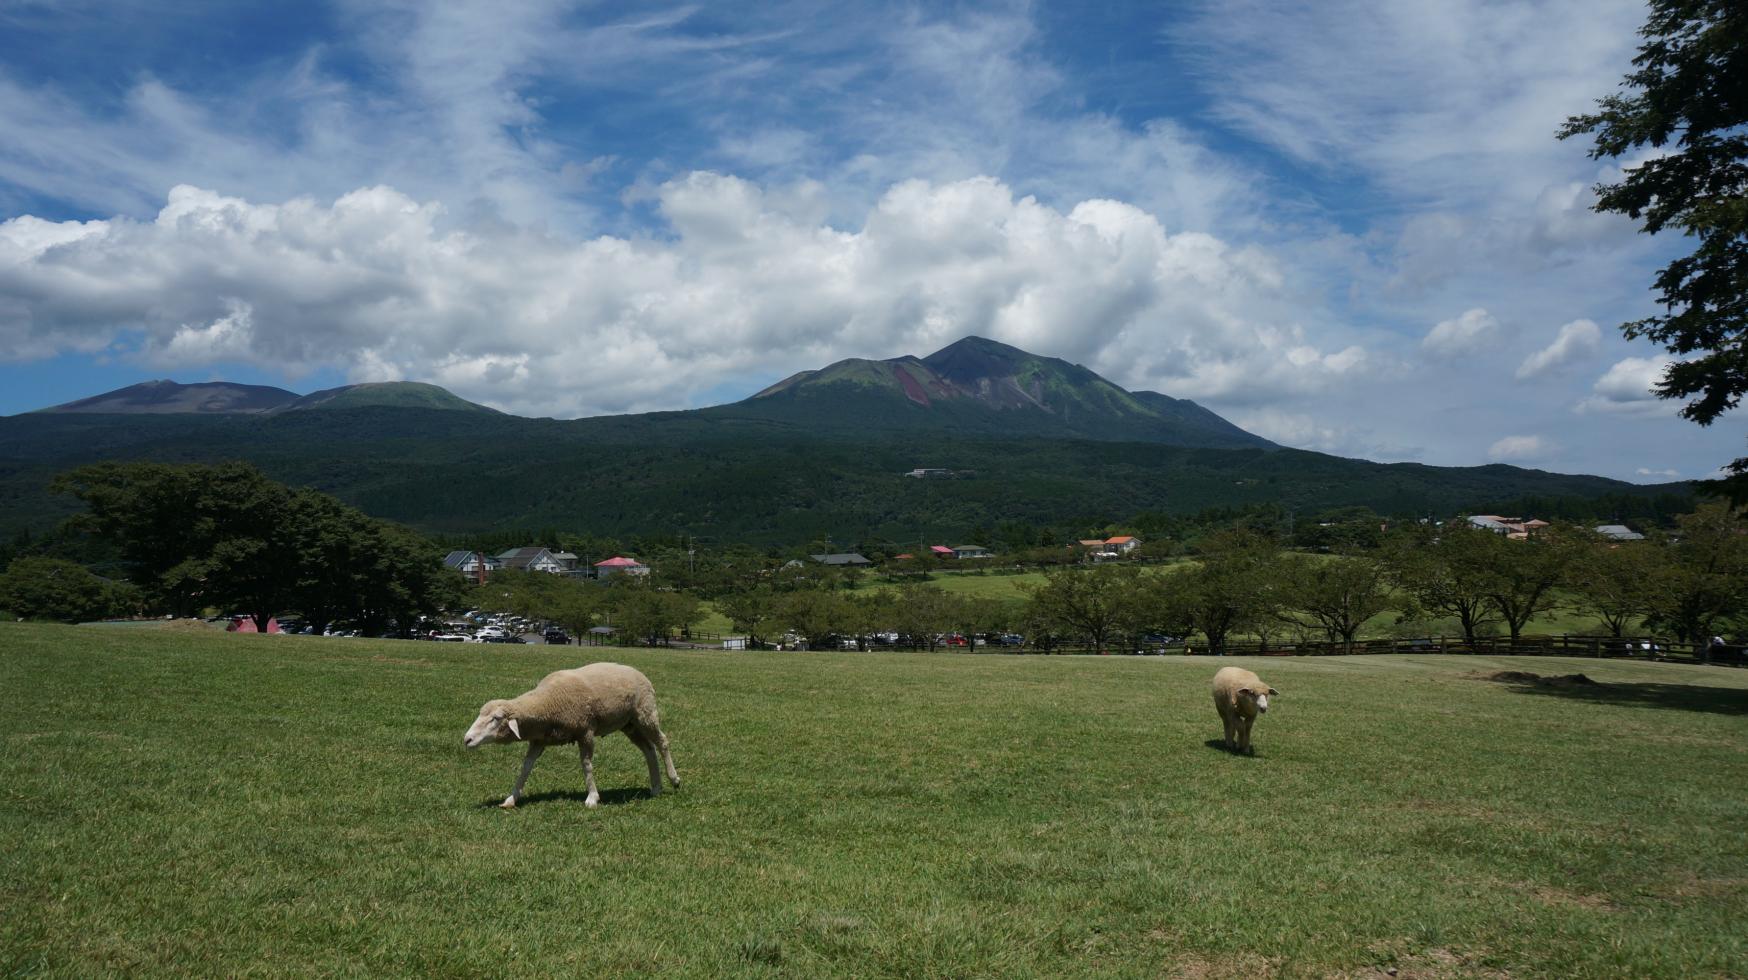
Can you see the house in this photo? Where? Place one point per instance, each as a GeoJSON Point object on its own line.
{"type": "Point", "coordinates": [473, 565]}
{"type": "Point", "coordinates": [1091, 544]}
{"type": "Point", "coordinates": [620, 565]}
{"type": "Point", "coordinates": [941, 551]}
{"type": "Point", "coordinates": [929, 473]}
{"type": "Point", "coordinates": [1619, 532]}
{"type": "Point", "coordinates": [1515, 528]}
{"type": "Point", "coordinates": [532, 559]}
{"type": "Point", "coordinates": [904, 557]}
{"type": "Point", "coordinates": [849, 558]}
{"type": "Point", "coordinates": [1122, 544]}
{"type": "Point", "coordinates": [970, 551]}
{"type": "Point", "coordinates": [567, 560]}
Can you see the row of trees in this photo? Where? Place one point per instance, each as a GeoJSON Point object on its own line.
{"type": "Point", "coordinates": [225, 536]}
{"type": "Point", "coordinates": [1689, 585]}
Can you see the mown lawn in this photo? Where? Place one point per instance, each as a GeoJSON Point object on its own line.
{"type": "Point", "coordinates": [189, 802]}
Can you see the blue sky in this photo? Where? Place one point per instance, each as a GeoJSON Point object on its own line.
{"type": "Point", "coordinates": [1344, 225]}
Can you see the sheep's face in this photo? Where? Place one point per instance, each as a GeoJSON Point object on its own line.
{"type": "Point", "coordinates": [494, 724]}
{"type": "Point", "coordinates": [1260, 698]}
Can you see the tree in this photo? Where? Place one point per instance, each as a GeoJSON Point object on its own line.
{"type": "Point", "coordinates": [1615, 581]}
{"type": "Point", "coordinates": [1522, 581]}
{"type": "Point", "coordinates": [921, 612]}
{"type": "Point", "coordinates": [1098, 604]}
{"type": "Point", "coordinates": [227, 536]}
{"type": "Point", "coordinates": [1449, 572]}
{"type": "Point", "coordinates": [1706, 578]}
{"type": "Point", "coordinates": [1229, 591]}
{"type": "Point", "coordinates": [52, 588]}
{"type": "Point", "coordinates": [1688, 100]}
{"type": "Point", "coordinates": [651, 614]}
{"type": "Point", "coordinates": [1336, 595]}
{"type": "Point", "coordinates": [196, 535]}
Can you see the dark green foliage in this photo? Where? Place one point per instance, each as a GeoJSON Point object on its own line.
{"type": "Point", "coordinates": [1336, 597]}
{"type": "Point", "coordinates": [1703, 580]}
{"type": "Point", "coordinates": [1447, 572]}
{"type": "Point", "coordinates": [1688, 99]}
{"type": "Point", "coordinates": [1100, 605]}
{"type": "Point", "coordinates": [723, 481]}
{"type": "Point", "coordinates": [226, 536]}
{"type": "Point", "coordinates": [1234, 587]}
{"type": "Point", "coordinates": [52, 588]}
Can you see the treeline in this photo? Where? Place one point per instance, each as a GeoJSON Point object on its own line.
{"type": "Point", "coordinates": [189, 538]}
{"type": "Point", "coordinates": [1690, 584]}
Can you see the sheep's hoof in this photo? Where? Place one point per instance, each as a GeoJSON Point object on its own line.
{"type": "Point", "coordinates": [592, 802]}
{"type": "Point", "coordinates": [508, 804]}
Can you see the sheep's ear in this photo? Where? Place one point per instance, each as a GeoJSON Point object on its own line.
{"type": "Point", "coordinates": [515, 729]}
{"type": "Point", "coordinates": [1245, 690]}
{"type": "Point", "coordinates": [1274, 693]}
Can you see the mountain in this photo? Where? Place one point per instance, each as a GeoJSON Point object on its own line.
{"type": "Point", "coordinates": [168, 397]}
{"type": "Point", "coordinates": [390, 394]}
{"type": "Point", "coordinates": [981, 387]}
{"type": "Point", "coordinates": [223, 397]}
{"type": "Point", "coordinates": [1029, 439]}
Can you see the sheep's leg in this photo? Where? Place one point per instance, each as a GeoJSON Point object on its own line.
{"type": "Point", "coordinates": [1244, 736]}
{"type": "Point", "coordinates": [642, 741]}
{"type": "Point", "coordinates": [661, 741]}
{"type": "Point", "coordinates": [586, 748]}
{"type": "Point", "coordinates": [528, 761]}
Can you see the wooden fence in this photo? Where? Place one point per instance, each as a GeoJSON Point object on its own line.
{"type": "Point", "coordinates": [1634, 648]}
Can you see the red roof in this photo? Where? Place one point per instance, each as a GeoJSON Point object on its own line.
{"type": "Point", "coordinates": [1121, 539]}
{"type": "Point", "coordinates": [904, 556]}
{"type": "Point", "coordinates": [618, 562]}
{"type": "Point", "coordinates": [940, 549]}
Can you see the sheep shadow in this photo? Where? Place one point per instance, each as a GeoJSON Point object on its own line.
{"type": "Point", "coordinates": [1672, 697]}
{"type": "Point", "coordinates": [1219, 744]}
{"type": "Point", "coordinates": [609, 797]}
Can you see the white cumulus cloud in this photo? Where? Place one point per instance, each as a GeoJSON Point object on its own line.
{"type": "Point", "coordinates": [1577, 341]}
{"type": "Point", "coordinates": [1519, 448]}
{"type": "Point", "coordinates": [1629, 388]}
{"type": "Point", "coordinates": [749, 284]}
{"type": "Point", "coordinates": [1469, 333]}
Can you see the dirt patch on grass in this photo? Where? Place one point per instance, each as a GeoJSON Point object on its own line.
{"type": "Point", "coordinates": [1691, 887]}
{"type": "Point", "coordinates": [1239, 966]}
{"type": "Point", "coordinates": [1562, 898]}
{"type": "Point", "coordinates": [1398, 961]}
{"type": "Point", "coordinates": [1539, 680]}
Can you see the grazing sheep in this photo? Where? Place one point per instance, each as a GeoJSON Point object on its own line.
{"type": "Point", "coordinates": [577, 706]}
{"type": "Point", "coordinates": [1240, 696]}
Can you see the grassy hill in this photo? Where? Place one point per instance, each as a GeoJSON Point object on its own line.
{"type": "Point", "coordinates": [191, 802]}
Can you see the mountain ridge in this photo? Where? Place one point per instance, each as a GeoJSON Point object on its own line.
{"type": "Point", "coordinates": [984, 386]}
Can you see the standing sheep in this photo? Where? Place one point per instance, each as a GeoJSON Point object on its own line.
{"type": "Point", "coordinates": [577, 706]}
{"type": "Point", "coordinates": [1240, 696]}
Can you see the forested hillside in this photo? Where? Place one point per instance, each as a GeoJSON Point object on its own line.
{"type": "Point", "coordinates": [753, 480]}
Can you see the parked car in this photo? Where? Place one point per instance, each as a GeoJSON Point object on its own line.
{"type": "Point", "coordinates": [555, 635]}
{"type": "Point", "coordinates": [505, 638]}
{"type": "Point", "coordinates": [449, 637]}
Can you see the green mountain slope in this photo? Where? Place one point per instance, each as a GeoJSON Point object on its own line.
{"type": "Point", "coordinates": [736, 478]}
{"type": "Point", "coordinates": [168, 397]}
{"type": "Point", "coordinates": [392, 394]}
{"type": "Point", "coordinates": [981, 387]}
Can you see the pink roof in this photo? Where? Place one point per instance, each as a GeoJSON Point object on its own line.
{"type": "Point", "coordinates": [940, 549]}
{"type": "Point", "coordinates": [1121, 539]}
{"type": "Point", "coordinates": [618, 562]}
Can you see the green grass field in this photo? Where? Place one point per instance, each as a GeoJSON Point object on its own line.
{"type": "Point", "coordinates": [191, 802]}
